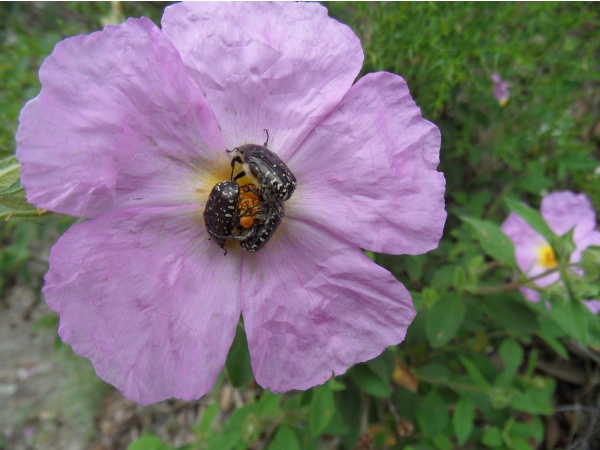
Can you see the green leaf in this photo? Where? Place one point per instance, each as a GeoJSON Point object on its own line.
{"type": "Point", "coordinates": [307, 441]}
{"type": "Point", "coordinates": [268, 405]}
{"type": "Point", "coordinates": [13, 204]}
{"type": "Point", "coordinates": [443, 442]}
{"type": "Point", "coordinates": [285, 438]}
{"type": "Point", "coordinates": [10, 173]}
{"type": "Point", "coordinates": [550, 333]}
{"type": "Point", "coordinates": [415, 266]}
{"type": "Point", "coordinates": [532, 429]}
{"type": "Point", "coordinates": [322, 407]}
{"type": "Point", "coordinates": [460, 278]}
{"type": "Point", "coordinates": [493, 241]}
{"type": "Point", "coordinates": [474, 372]}
{"type": "Point", "coordinates": [383, 366]}
{"type": "Point", "coordinates": [336, 385]}
{"type": "Point", "coordinates": [367, 381]}
{"type": "Point", "coordinates": [511, 354]}
{"type": "Point", "coordinates": [534, 179]}
{"type": "Point", "coordinates": [533, 218]}
{"type": "Point", "coordinates": [492, 437]}
{"type": "Point", "coordinates": [349, 406]}
{"type": "Point", "coordinates": [372, 256]}
{"type": "Point", "coordinates": [12, 189]}
{"type": "Point", "coordinates": [531, 363]}
{"type": "Point", "coordinates": [429, 295]}
{"type": "Point", "coordinates": [336, 426]}
{"type": "Point", "coordinates": [203, 428]}
{"type": "Point", "coordinates": [408, 402]}
{"type": "Point", "coordinates": [537, 397]}
{"type": "Point", "coordinates": [520, 444]}
{"type": "Point", "coordinates": [148, 442]}
{"type": "Point", "coordinates": [463, 418]}
{"type": "Point", "coordinates": [444, 319]}
{"type": "Point", "coordinates": [510, 314]}
{"type": "Point", "coordinates": [571, 316]}
{"type": "Point", "coordinates": [241, 428]}
{"type": "Point", "coordinates": [590, 259]}
{"type": "Point", "coordinates": [238, 366]}
{"type": "Point", "coordinates": [593, 325]}
{"type": "Point", "coordinates": [433, 415]}
{"type": "Point", "coordinates": [16, 208]}
{"type": "Point", "coordinates": [295, 401]}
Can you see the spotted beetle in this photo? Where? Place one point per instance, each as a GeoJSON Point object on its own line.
{"type": "Point", "coordinates": [266, 229]}
{"type": "Point", "coordinates": [265, 169]}
{"type": "Point", "coordinates": [241, 214]}
{"type": "Point", "coordinates": [220, 212]}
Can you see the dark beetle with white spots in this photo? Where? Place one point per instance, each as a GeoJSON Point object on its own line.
{"type": "Point", "coordinates": [221, 210]}
{"type": "Point", "coordinates": [265, 230]}
{"type": "Point", "coordinates": [222, 218]}
{"type": "Point", "coordinates": [266, 170]}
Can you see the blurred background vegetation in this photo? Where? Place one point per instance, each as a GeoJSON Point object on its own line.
{"type": "Point", "coordinates": [479, 369]}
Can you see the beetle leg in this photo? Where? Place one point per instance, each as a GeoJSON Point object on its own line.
{"type": "Point", "coordinates": [236, 159]}
{"type": "Point", "coordinates": [238, 176]}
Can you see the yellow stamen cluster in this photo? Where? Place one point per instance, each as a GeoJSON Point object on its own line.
{"type": "Point", "coordinates": [547, 257]}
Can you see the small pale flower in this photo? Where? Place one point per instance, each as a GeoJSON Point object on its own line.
{"type": "Point", "coordinates": [132, 129]}
{"type": "Point", "coordinates": [500, 89]}
{"type": "Point", "coordinates": [562, 211]}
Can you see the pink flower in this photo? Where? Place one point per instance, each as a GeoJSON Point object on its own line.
{"type": "Point", "coordinates": [500, 89]}
{"type": "Point", "coordinates": [562, 211]}
{"type": "Point", "coordinates": [131, 129]}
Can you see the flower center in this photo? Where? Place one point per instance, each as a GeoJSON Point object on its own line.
{"type": "Point", "coordinates": [249, 207]}
{"type": "Point", "coordinates": [547, 258]}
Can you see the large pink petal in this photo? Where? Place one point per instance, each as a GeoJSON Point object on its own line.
{"type": "Point", "coordinates": [148, 299]}
{"type": "Point", "coordinates": [118, 123]}
{"type": "Point", "coordinates": [564, 210]}
{"type": "Point", "coordinates": [313, 306]}
{"type": "Point", "coordinates": [368, 171]}
{"type": "Point", "coordinates": [280, 66]}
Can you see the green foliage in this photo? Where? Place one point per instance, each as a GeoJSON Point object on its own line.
{"type": "Point", "coordinates": [321, 410]}
{"type": "Point", "coordinates": [237, 366]}
{"type": "Point", "coordinates": [468, 373]}
{"type": "Point", "coordinates": [368, 381]}
{"type": "Point", "coordinates": [444, 319]}
{"type": "Point", "coordinates": [284, 438]}
{"type": "Point", "coordinates": [149, 442]}
{"type": "Point", "coordinates": [493, 241]}
{"type": "Point", "coordinates": [13, 204]}
{"type": "Point", "coordinates": [463, 419]}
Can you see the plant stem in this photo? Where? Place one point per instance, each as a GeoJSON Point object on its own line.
{"type": "Point", "coordinates": [514, 285]}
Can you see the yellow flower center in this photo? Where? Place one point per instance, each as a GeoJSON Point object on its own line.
{"type": "Point", "coordinates": [547, 258]}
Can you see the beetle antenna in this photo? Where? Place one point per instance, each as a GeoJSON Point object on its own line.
{"type": "Point", "coordinates": [267, 141]}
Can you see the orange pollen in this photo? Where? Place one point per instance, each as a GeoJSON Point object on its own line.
{"type": "Point", "coordinates": [246, 221]}
{"type": "Point", "coordinates": [249, 205]}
